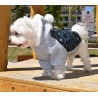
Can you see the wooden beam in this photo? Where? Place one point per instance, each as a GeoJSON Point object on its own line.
{"type": "Point", "coordinates": [16, 85]}
{"type": "Point", "coordinates": [97, 21]}
{"type": "Point", "coordinates": [26, 76]}
{"type": "Point", "coordinates": [36, 9]}
{"type": "Point", "coordinates": [4, 32]}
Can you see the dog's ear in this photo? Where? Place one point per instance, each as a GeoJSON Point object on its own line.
{"type": "Point", "coordinates": [42, 23]}
{"type": "Point", "coordinates": [47, 25]}
{"type": "Point", "coordinates": [37, 21]}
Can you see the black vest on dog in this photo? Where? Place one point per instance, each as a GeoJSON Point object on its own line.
{"type": "Point", "coordinates": [67, 38]}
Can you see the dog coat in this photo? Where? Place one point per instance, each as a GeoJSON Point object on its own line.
{"type": "Point", "coordinates": [53, 51]}
{"type": "Point", "coordinates": [67, 38]}
{"type": "Point", "coordinates": [54, 45]}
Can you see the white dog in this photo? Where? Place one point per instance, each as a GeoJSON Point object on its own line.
{"type": "Point", "coordinates": [38, 33]}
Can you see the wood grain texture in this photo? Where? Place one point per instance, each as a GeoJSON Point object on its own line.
{"type": "Point", "coordinates": [4, 33]}
{"type": "Point", "coordinates": [27, 76]}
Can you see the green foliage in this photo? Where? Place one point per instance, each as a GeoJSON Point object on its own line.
{"type": "Point", "coordinates": [93, 41]}
{"type": "Point", "coordinates": [94, 18]}
{"type": "Point", "coordinates": [93, 52]}
{"type": "Point", "coordinates": [19, 12]}
{"type": "Point", "coordinates": [13, 53]}
{"type": "Point", "coordinates": [94, 11]}
{"type": "Point", "coordinates": [55, 10]}
{"type": "Point", "coordinates": [72, 13]}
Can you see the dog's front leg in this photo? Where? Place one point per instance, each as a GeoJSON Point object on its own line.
{"type": "Point", "coordinates": [69, 62]}
{"type": "Point", "coordinates": [59, 71]}
{"type": "Point", "coordinates": [58, 60]}
{"type": "Point", "coordinates": [59, 66]}
{"type": "Point", "coordinates": [47, 68]}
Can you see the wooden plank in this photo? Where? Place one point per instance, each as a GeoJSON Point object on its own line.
{"type": "Point", "coordinates": [26, 76]}
{"type": "Point", "coordinates": [9, 84]}
{"type": "Point", "coordinates": [24, 57]}
{"type": "Point", "coordinates": [4, 33]}
{"type": "Point", "coordinates": [34, 54]}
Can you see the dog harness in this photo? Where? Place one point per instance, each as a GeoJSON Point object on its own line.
{"type": "Point", "coordinates": [67, 38]}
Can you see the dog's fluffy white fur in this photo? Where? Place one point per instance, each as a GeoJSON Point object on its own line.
{"type": "Point", "coordinates": [52, 56]}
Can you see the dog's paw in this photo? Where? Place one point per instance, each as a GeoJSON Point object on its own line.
{"type": "Point", "coordinates": [47, 73]}
{"type": "Point", "coordinates": [87, 69]}
{"type": "Point", "coordinates": [57, 76]}
{"type": "Point", "coordinates": [69, 68]}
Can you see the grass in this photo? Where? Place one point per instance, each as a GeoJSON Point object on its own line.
{"type": "Point", "coordinates": [93, 52]}
{"type": "Point", "coordinates": [13, 53]}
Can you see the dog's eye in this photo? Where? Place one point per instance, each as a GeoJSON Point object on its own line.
{"type": "Point", "coordinates": [16, 34]}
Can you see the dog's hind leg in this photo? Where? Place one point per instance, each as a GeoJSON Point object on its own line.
{"type": "Point", "coordinates": [83, 53]}
{"type": "Point", "coordinates": [86, 61]}
{"type": "Point", "coordinates": [69, 62]}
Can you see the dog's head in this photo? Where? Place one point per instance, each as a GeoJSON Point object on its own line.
{"type": "Point", "coordinates": [19, 32]}
{"type": "Point", "coordinates": [25, 32]}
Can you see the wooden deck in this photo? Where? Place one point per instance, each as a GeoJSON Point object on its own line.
{"type": "Point", "coordinates": [26, 76]}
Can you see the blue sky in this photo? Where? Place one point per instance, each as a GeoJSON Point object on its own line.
{"type": "Point", "coordinates": [89, 8]}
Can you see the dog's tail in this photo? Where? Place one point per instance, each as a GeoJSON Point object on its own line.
{"type": "Point", "coordinates": [81, 29]}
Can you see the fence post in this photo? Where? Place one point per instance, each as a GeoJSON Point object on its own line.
{"type": "Point", "coordinates": [5, 12]}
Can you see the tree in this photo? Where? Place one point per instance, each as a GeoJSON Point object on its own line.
{"type": "Point", "coordinates": [55, 10]}
{"type": "Point", "coordinates": [73, 10]}
{"type": "Point", "coordinates": [18, 12]}
{"type": "Point", "coordinates": [94, 11]}
{"type": "Point", "coordinates": [94, 18]}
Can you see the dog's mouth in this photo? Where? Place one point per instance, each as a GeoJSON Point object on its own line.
{"type": "Point", "coordinates": [24, 45]}
{"type": "Point", "coordinates": [19, 45]}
